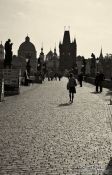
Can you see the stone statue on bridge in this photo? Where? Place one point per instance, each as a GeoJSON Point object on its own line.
{"type": "Point", "coordinates": [93, 65]}
{"type": "Point", "coordinates": [8, 54]}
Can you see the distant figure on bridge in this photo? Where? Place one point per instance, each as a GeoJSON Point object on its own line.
{"type": "Point", "coordinates": [59, 76]}
{"type": "Point", "coordinates": [80, 79]}
{"type": "Point", "coordinates": [26, 78]}
{"type": "Point", "coordinates": [71, 87]}
{"type": "Point", "coordinates": [28, 67]}
{"type": "Point", "coordinates": [99, 81]}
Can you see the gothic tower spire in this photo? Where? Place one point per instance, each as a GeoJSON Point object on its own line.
{"type": "Point", "coordinates": [101, 54]}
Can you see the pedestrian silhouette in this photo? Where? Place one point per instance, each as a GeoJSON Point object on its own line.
{"type": "Point", "coordinates": [26, 78]}
{"type": "Point", "coordinates": [99, 81]}
{"type": "Point", "coordinates": [71, 87]}
{"type": "Point", "coordinates": [28, 67]}
{"type": "Point", "coordinates": [80, 79]}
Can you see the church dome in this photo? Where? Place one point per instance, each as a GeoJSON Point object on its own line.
{"type": "Point", "coordinates": [27, 49]}
{"type": "Point", "coordinates": [27, 45]}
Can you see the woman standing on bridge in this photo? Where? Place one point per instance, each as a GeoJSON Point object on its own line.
{"type": "Point", "coordinates": [71, 87]}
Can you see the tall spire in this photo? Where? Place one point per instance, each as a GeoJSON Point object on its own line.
{"type": "Point", "coordinates": [55, 54]}
{"type": "Point", "coordinates": [101, 54]}
{"type": "Point", "coordinates": [55, 49]}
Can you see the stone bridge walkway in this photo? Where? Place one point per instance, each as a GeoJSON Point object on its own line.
{"type": "Point", "coordinates": [40, 134]}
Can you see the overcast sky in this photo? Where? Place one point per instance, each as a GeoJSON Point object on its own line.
{"type": "Point", "coordinates": [90, 22]}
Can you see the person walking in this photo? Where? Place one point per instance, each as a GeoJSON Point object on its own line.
{"type": "Point", "coordinates": [99, 81]}
{"type": "Point", "coordinates": [80, 79]}
{"type": "Point", "coordinates": [71, 87]}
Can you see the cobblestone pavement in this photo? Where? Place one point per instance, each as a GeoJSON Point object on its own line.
{"type": "Point", "coordinates": [42, 134]}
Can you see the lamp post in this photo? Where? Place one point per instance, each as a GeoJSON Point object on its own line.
{"type": "Point", "coordinates": [97, 62]}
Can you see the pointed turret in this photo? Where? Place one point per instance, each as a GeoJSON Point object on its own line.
{"type": "Point", "coordinates": [55, 54]}
{"type": "Point", "coordinates": [101, 54]}
{"type": "Point", "coordinates": [41, 49]}
{"type": "Point", "coordinates": [55, 50]}
{"type": "Point", "coordinates": [42, 54]}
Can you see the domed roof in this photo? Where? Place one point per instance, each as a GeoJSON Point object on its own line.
{"type": "Point", "coordinates": [27, 45]}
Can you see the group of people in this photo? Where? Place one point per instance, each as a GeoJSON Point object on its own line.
{"type": "Point", "coordinates": [53, 76]}
{"type": "Point", "coordinates": [71, 84]}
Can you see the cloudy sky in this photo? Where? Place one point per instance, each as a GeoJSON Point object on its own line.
{"type": "Point", "coordinates": [90, 22]}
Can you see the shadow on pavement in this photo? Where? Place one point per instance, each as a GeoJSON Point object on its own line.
{"type": "Point", "coordinates": [10, 94]}
{"type": "Point", "coordinates": [108, 169]}
{"type": "Point", "coordinates": [64, 104]}
{"type": "Point", "coordinates": [95, 92]}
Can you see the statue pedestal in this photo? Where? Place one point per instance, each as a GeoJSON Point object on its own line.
{"type": "Point", "coordinates": [11, 81]}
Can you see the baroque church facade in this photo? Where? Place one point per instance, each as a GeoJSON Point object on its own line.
{"type": "Point", "coordinates": [27, 50]}
{"type": "Point", "coordinates": [68, 53]}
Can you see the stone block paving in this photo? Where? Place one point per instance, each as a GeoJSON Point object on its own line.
{"type": "Point", "coordinates": [42, 134]}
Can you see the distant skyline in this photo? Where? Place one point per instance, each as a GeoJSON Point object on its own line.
{"type": "Point", "coordinates": [90, 23]}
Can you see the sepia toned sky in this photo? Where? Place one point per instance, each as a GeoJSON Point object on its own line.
{"type": "Point", "coordinates": [90, 22]}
